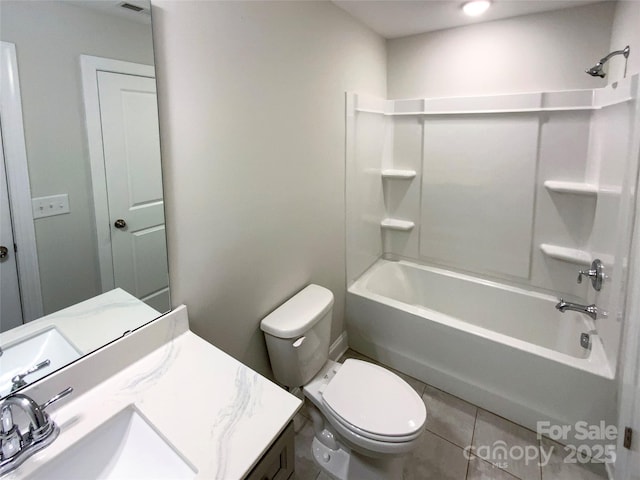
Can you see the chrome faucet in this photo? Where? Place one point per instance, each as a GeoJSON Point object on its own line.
{"type": "Point", "coordinates": [17, 446]}
{"type": "Point", "coordinates": [595, 273]}
{"type": "Point", "coordinates": [18, 381]}
{"type": "Point", "coordinates": [590, 310]}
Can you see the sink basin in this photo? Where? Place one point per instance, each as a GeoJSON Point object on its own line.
{"type": "Point", "coordinates": [124, 447]}
{"type": "Point", "coordinates": [21, 355]}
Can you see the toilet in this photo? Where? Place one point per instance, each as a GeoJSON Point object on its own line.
{"type": "Point", "coordinates": [365, 418]}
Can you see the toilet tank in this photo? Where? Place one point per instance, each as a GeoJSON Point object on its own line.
{"type": "Point", "coordinates": [297, 335]}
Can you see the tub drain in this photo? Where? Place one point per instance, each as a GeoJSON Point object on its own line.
{"type": "Point", "coordinates": [585, 340]}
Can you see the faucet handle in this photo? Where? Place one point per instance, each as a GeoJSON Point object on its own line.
{"type": "Point", "coordinates": [595, 273]}
{"type": "Point", "coordinates": [18, 381]}
{"type": "Point", "coordinates": [11, 440]}
{"type": "Point", "coordinates": [587, 273]}
{"type": "Point", "coordinates": [57, 397]}
{"type": "Point", "coordinates": [45, 427]}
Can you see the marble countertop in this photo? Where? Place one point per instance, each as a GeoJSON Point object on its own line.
{"type": "Point", "coordinates": [85, 327]}
{"type": "Point", "coordinates": [220, 415]}
{"type": "Point", "coordinates": [92, 323]}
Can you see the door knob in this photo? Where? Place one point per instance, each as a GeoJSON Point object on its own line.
{"type": "Point", "coordinates": [4, 252]}
{"type": "Point", "coordinates": [120, 223]}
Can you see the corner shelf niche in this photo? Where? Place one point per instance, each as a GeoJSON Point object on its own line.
{"type": "Point", "coordinates": [398, 174]}
{"type": "Point", "coordinates": [576, 188]}
{"type": "Point", "coordinates": [571, 255]}
{"type": "Point", "coordinates": [395, 224]}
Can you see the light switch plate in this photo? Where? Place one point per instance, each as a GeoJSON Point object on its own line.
{"type": "Point", "coordinates": [50, 206]}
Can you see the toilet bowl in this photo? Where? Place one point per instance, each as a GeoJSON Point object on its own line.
{"type": "Point", "coordinates": [366, 418]}
{"type": "Point", "coordinates": [367, 412]}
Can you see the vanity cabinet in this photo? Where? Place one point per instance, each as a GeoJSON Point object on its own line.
{"type": "Point", "coordinates": [278, 462]}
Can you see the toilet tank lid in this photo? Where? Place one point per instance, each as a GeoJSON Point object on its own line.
{"type": "Point", "coordinates": [299, 313]}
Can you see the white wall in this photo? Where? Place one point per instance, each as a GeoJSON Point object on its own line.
{"type": "Point", "coordinates": [49, 38]}
{"type": "Point", "coordinates": [545, 51]}
{"type": "Point", "coordinates": [252, 102]}
{"type": "Point", "coordinates": [625, 31]}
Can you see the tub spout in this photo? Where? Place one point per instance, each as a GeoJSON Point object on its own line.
{"type": "Point", "coordinates": [590, 310]}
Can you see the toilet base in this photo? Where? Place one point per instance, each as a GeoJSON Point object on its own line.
{"type": "Point", "coordinates": [343, 465]}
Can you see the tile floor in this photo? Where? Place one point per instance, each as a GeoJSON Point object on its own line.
{"type": "Point", "coordinates": [453, 424]}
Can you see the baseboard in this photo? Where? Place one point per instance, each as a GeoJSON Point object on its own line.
{"type": "Point", "coordinates": [337, 348]}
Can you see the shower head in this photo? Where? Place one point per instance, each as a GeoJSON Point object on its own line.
{"type": "Point", "coordinates": [597, 69]}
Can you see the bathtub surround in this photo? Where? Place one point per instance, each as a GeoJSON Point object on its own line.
{"type": "Point", "coordinates": [251, 99]}
{"type": "Point", "coordinates": [367, 142]}
{"type": "Point", "coordinates": [613, 165]}
{"type": "Point", "coordinates": [529, 144]}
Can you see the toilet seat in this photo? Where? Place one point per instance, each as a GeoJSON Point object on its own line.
{"type": "Point", "coordinates": [335, 418]}
{"type": "Point", "coordinates": [374, 403]}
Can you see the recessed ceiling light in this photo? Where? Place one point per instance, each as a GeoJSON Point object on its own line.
{"type": "Point", "coordinates": [476, 7]}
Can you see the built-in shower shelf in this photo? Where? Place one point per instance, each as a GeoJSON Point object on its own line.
{"type": "Point", "coordinates": [577, 188]}
{"type": "Point", "coordinates": [398, 174]}
{"type": "Point", "coordinates": [571, 255]}
{"type": "Point", "coordinates": [395, 224]}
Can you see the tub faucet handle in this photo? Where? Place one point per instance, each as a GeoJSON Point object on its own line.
{"type": "Point", "coordinates": [595, 273]}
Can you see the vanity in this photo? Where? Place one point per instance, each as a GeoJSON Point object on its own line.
{"type": "Point", "coordinates": [163, 403]}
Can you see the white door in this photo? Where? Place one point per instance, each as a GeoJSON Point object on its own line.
{"type": "Point", "coordinates": [627, 465]}
{"type": "Point", "coordinates": [10, 309]}
{"type": "Point", "coordinates": [131, 143]}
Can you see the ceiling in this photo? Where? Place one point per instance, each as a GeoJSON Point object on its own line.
{"type": "Point", "coordinates": [114, 7]}
{"type": "Point", "coordinates": [400, 18]}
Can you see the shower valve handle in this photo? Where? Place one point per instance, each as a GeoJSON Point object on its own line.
{"type": "Point", "coordinates": [595, 273]}
{"type": "Point", "coordinates": [586, 273]}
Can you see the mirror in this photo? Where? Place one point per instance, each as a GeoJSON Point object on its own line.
{"type": "Point", "coordinates": [81, 184]}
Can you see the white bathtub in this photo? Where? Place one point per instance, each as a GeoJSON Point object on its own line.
{"type": "Point", "coordinates": [505, 349]}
